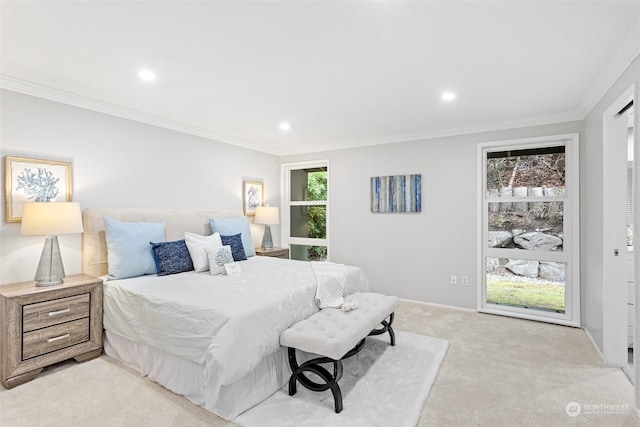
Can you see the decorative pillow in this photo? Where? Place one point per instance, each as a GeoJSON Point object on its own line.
{"type": "Point", "coordinates": [128, 250]}
{"type": "Point", "coordinates": [196, 245]}
{"type": "Point", "coordinates": [231, 226]}
{"type": "Point", "coordinates": [171, 257]}
{"type": "Point", "coordinates": [218, 257]}
{"type": "Point", "coordinates": [237, 250]}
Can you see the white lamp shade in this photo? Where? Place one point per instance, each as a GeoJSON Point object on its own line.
{"type": "Point", "coordinates": [267, 215]}
{"type": "Point", "coordinates": [51, 218]}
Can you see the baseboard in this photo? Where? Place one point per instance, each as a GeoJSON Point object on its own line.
{"type": "Point", "coordinates": [453, 307]}
{"type": "Point", "coordinates": [595, 346]}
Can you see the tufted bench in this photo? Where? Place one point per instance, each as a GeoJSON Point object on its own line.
{"type": "Point", "coordinates": [336, 335]}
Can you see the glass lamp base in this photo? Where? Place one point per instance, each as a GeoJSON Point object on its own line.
{"type": "Point", "coordinates": [267, 241]}
{"type": "Point", "coordinates": [49, 282]}
{"type": "Point", "coordinates": [50, 270]}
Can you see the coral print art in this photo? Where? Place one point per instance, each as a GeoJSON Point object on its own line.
{"type": "Point", "coordinates": [252, 197]}
{"type": "Point", "coordinates": [40, 186]}
{"type": "Point", "coordinates": [34, 180]}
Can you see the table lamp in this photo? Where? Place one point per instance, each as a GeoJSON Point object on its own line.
{"type": "Point", "coordinates": [267, 215]}
{"type": "Point", "coordinates": [50, 219]}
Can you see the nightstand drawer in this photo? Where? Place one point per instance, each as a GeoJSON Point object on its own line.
{"type": "Point", "coordinates": [54, 312]}
{"type": "Point", "coordinates": [54, 338]}
{"type": "Point", "coordinates": [282, 255]}
{"type": "Point", "coordinates": [273, 253]}
{"type": "Point", "coordinates": [40, 326]}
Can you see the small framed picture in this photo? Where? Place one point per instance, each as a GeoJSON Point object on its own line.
{"type": "Point", "coordinates": [252, 195]}
{"type": "Point", "coordinates": [232, 268]}
{"type": "Point", "coordinates": [34, 180]}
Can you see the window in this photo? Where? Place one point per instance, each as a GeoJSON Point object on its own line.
{"type": "Point", "coordinates": [529, 228]}
{"type": "Point", "coordinates": [306, 209]}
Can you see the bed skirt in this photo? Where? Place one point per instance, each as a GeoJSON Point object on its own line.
{"type": "Point", "coordinates": [188, 379]}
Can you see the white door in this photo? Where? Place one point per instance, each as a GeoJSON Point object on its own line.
{"type": "Point", "coordinates": [614, 234]}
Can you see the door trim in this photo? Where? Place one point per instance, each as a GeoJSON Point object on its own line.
{"type": "Point", "coordinates": [614, 304]}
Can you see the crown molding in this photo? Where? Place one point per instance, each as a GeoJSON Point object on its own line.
{"type": "Point", "coordinates": [442, 133]}
{"type": "Point", "coordinates": [626, 53]}
{"type": "Point", "coordinates": [40, 91]}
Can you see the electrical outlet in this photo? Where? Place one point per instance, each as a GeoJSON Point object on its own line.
{"type": "Point", "coordinates": [464, 281]}
{"type": "Point", "coordinates": [454, 279]}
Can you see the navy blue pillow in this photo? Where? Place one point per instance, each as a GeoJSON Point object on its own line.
{"type": "Point", "coordinates": [171, 257]}
{"type": "Point", "coordinates": [237, 248]}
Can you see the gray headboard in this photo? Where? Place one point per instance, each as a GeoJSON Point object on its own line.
{"type": "Point", "coordinates": [177, 221]}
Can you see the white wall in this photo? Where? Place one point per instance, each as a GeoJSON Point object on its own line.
{"type": "Point", "coordinates": [413, 255]}
{"type": "Point", "coordinates": [121, 163]}
{"type": "Point", "coordinates": [591, 203]}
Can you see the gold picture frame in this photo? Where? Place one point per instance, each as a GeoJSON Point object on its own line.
{"type": "Point", "coordinates": [252, 196]}
{"type": "Point", "coordinates": [34, 180]}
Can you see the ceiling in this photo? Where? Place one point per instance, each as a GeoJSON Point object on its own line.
{"type": "Point", "coordinates": [341, 73]}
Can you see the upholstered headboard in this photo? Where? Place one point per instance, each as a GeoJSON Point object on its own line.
{"type": "Point", "coordinates": [177, 221]}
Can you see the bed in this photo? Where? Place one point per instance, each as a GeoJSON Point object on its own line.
{"type": "Point", "coordinates": [212, 339]}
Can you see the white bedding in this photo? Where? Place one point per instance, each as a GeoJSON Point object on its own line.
{"type": "Point", "coordinates": [228, 325]}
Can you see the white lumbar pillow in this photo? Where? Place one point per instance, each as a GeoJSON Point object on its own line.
{"type": "Point", "coordinates": [196, 245]}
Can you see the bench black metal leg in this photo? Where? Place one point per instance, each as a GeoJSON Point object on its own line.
{"type": "Point", "coordinates": [386, 327]}
{"type": "Point", "coordinates": [313, 365]}
{"type": "Point", "coordinates": [330, 381]}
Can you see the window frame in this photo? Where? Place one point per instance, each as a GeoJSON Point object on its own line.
{"type": "Point", "coordinates": [571, 248]}
{"type": "Point", "coordinates": [286, 203]}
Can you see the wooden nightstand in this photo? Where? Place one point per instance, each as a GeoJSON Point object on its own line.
{"type": "Point", "coordinates": [275, 252]}
{"type": "Point", "coordinates": [46, 325]}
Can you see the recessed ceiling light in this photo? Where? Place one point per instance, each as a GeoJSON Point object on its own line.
{"type": "Point", "coordinates": [285, 126]}
{"type": "Point", "coordinates": [146, 75]}
{"type": "Point", "coordinates": [448, 96]}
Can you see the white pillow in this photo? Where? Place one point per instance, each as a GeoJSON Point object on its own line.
{"type": "Point", "coordinates": [196, 245]}
{"type": "Point", "coordinates": [218, 257]}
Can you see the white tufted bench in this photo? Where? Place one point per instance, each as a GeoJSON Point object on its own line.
{"type": "Point", "coordinates": [336, 335]}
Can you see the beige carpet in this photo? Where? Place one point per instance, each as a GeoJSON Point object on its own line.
{"type": "Point", "coordinates": [497, 372]}
{"type": "Point", "coordinates": [379, 387]}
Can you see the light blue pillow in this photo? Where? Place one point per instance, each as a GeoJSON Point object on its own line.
{"type": "Point", "coordinates": [231, 226]}
{"type": "Point", "coordinates": [128, 249]}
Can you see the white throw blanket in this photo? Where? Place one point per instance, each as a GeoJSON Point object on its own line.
{"type": "Point", "coordinates": [331, 279]}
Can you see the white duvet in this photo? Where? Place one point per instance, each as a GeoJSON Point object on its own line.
{"type": "Point", "coordinates": [228, 324]}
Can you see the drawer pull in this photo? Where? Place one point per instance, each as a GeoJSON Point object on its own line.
{"type": "Point", "coordinates": [61, 337]}
{"type": "Point", "coordinates": [55, 313]}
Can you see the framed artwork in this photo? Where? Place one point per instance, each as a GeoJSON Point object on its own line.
{"type": "Point", "coordinates": [396, 193]}
{"type": "Point", "coordinates": [34, 180]}
{"type": "Point", "coordinates": [252, 194]}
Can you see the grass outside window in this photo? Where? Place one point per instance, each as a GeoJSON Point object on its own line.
{"type": "Point", "coordinates": [547, 296]}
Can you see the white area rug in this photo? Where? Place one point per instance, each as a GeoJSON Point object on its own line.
{"type": "Point", "coordinates": [381, 386]}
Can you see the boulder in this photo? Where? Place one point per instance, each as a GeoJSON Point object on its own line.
{"type": "Point", "coordinates": [536, 241]}
{"type": "Point", "coordinates": [523, 267]}
{"type": "Point", "coordinates": [499, 239]}
{"type": "Point", "coordinates": [553, 271]}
